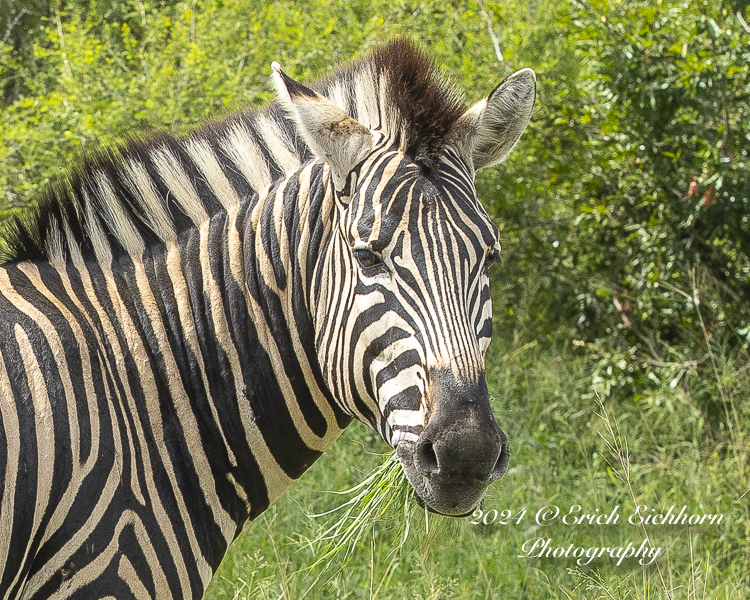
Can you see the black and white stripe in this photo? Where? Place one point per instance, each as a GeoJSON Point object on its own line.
{"type": "Point", "coordinates": [186, 324]}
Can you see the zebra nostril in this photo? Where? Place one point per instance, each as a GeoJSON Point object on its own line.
{"type": "Point", "coordinates": [427, 461]}
{"type": "Point", "coordinates": [501, 465]}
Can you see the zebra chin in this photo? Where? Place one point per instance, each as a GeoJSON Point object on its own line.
{"type": "Point", "coordinates": [460, 451]}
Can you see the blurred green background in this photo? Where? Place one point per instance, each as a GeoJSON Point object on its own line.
{"type": "Point", "coordinates": [625, 222]}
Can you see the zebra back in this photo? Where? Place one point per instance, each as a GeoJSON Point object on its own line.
{"type": "Point", "coordinates": [153, 186]}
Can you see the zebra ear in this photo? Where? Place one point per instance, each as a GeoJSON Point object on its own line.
{"type": "Point", "coordinates": [487, 132]}
{"type": "Point", "coordinates": [334, 136]}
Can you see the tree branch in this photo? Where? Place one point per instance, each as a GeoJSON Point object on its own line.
{"type": "Point", "coordinates": [490, 30]}
{"type": "Point", "coordinates": [742, 21]}
{"type": "Point", "coordinates": [13, 23]}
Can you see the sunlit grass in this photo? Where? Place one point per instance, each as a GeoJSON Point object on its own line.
{"type": "Point", "coordinates": [548, 408]}
{"type": "Point", "coordinates": [385, 495]}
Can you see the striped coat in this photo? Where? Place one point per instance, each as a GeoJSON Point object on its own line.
{"type": "Point", "coordinates": [186, 324]}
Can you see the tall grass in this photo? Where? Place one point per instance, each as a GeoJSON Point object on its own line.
{"type": "Point", "coordinates": [568, 449]}
{"type": "Point", "coordinates": [384, 495]}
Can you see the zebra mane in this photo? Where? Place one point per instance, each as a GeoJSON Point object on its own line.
{"type": "Point", "coordinates": [151, 187]}
{"type": "Point", "coordinates": [398, 89]}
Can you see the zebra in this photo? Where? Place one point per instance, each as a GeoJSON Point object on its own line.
{"type": "Point", "coordinates": [188, 322]}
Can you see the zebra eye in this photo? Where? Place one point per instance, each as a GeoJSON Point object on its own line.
{"type": "Point", "coordinates": [370, 263]}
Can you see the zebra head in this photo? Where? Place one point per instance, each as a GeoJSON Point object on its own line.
{"type": "Point", "coordinates": [400, 296]}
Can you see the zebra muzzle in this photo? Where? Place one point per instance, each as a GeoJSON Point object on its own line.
{"type": "Point", "coordinates": [460, 451]}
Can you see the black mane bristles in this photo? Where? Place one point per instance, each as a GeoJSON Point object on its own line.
{"type": "Point", "coordinates": [425, 100]}
{"type": "Point", "coordinates": [151, 187]}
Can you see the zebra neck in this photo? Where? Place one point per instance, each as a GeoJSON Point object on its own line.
{"type": "Point", "coordinates": [286, 233]}
{"type": "Point", "coordinates": [211, 346]}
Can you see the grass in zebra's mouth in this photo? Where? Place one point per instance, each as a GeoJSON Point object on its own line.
{"type": "Point", "coordinates": [385, 495]}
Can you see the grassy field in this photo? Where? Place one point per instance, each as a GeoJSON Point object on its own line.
{"type": "Point", "coordinates": [625, 218]}
{"type": "Point", "coordinates": [655, 452]}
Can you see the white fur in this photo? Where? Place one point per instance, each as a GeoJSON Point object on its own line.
{"type": "Point", "coordinates": [117, 219]}
{"type": "Point", "coordinates": [334, 137]}
{"type": "Point", "coordinates": [96, 233]}
{"type": "Point", "coordinates": [179, 185]}
{"type": "Point", "coordinates": [204, 157]}
{"type": "Point", "coordinates": [244, 152]}
{"type": "Point", "coordinates": [140, 184]}
{"type": "Point", "coordinates": [486, 133]}
{"type": "Point", "coordinates": [278, 144]}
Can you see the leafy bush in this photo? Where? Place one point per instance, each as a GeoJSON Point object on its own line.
{"type": "Point", "coordinates": [639, 243]}
{"type": "Point", "coordinates": [626, 202]}
{"type": "Point", "coordinates": [624, 222]}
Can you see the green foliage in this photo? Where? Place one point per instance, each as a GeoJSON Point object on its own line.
{"type": "Point", "coordinates": [549, 411]}
{"type": "Point", "coordinates": [624, 216]}
{"type": "Point", "coordinates": [673, 192]}
{"type": "Point", "coordinates": [382, 494]}
{"type": "Point", "coordinates": [638, 241]}
{"type": "Point", "coordinates": [97, 70]}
